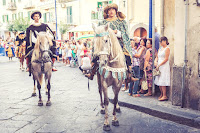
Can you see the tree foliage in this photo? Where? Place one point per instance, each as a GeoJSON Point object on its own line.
{"type": "Point", "coordinates": [63, 28]}
{"type": "Point", "coordinates": [19, 24]}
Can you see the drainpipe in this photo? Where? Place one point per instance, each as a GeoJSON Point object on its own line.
{"type": "Point", "coordinates": [56, 22]}
{"type": "Point", "coordinates": [153, 40]}
{"type": "Point", "coordinates": [185, 57]}
{"type": "Point", "coordinates": [162, 17]}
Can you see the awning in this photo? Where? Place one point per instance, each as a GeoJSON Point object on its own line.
{"type": "Point", "coordinates": [86, 36]}
{"type": "Point", "coordinates": [82, 28]}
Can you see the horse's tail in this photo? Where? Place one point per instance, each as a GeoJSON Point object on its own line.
{"type": "Point", "coordinates": [40, 79]}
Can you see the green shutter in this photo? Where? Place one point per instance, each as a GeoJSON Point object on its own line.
{"type": "Point", "coordinates": [99, 3]}
{"type": "Point", "coordinates": [4, 2]}
{"type": "Point", "coordinates": [109, 2]}
{"type": "Point", "coordinates": [29, 15]}
{"type": "Point", "coordinates": [45, 17]}
{"type": "Point", "coordinates": [7, 18]}
{"type": "Point", "coordinates": [71, 14]}
{"type": "Point", "coordinates": [3, 19]}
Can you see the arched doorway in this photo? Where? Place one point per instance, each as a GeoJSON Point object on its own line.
{"type": "Point", "coordinates": [140, 32]}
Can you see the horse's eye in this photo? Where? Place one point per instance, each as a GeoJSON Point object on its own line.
{"type": "Point", "coordinates": [106, 41]}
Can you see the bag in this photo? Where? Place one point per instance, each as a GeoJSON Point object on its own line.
{"type": "Point", "coordinates": [144, 82]}
{"type": "Point", "coordinates": [156, 72]}
{"type": "Point", "coordinates": [82, 53]}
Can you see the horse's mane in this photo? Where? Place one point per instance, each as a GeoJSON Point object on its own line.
{"type": "Point", "coordinates": [41, 38]}
{"type": "Point", "coordinates": [116, 49]}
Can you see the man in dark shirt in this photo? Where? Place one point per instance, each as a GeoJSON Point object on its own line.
{"type": "Point", "coordinates": [31, 35]}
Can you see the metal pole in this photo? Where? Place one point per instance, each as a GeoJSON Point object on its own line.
{"type": "Point", "coordinates": [153, 41]}
{"type": "Point", "coordinates": [56, 22]}
{"type": "Point", "coordinates": [150, 18]}
{"type": "Point", "coordinates": [185, 57]}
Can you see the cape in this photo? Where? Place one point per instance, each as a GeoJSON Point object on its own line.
{"type": "Point", "coordinates": [31, 31]}
{"type": "Point", "coordinates": [122, 26]}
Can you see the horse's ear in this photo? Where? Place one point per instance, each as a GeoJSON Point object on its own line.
{"type": "Point", "coordinates": [107, 26]}
{"type": "Point", "coordinates": [94, 26]}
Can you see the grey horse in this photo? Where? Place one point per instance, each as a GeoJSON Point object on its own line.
{"type": "Point", "coordinates": [41, 64]}
{"type": "Point", "coordinates": [112, 69]}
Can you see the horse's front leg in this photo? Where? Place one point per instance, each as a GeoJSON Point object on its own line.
{"type": "Point", "coordinates": [48, 85]}
{"type": "Point", "coordinates": [106, 126]}
{"type": "Point", "coordinates": [100, 93]}
{"type": "Point", "coordinates": [34, 89]}
{"type": "Point", "coordinates": [40, 102]}
{"type": "Point", "coordinates": [115, 122]}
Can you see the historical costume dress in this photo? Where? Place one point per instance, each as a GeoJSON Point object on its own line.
{"type": "Point", "coordinates": [19, 41]}
{"type": "Point", "coordinates": [31, 35]}
{"type": "Point", "coordinates": [117, 23]}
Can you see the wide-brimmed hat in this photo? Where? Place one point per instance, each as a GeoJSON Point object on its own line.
{"type": "Point", "coordinates": [36, 12]}
{"type": "Point", "coordinates": [109, 6]}
{"type": "Point", "coordinates": [120, 15]}
{"type": "Point", "coordinates": [21, 32]}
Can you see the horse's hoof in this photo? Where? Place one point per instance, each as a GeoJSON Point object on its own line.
{"type": "Point", "coordinates": [33, 94]}
{"type": "Point", "coordinates": [48, 103]}
{"type": "Point", "coordinates": [46, 93]}
{"type": "Point", "coordinates": [115, 123]}
{"type": "Point", "coordinates": [102, 111]}
{"type": "Point", "coordinates": [118, 110]}
{"type": "Point", "coordinates": [40, 103]}
{"type": "Point", "coordinates": [106, 127]}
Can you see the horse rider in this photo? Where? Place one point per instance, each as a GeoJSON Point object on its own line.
{"type": "Point", "coordinates": [31, 35]}
{"type": "Point", "coordinates": [120, 28]}
{"type": "Point", "coordinates": [18, 42]}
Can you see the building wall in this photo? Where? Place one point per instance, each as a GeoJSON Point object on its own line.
{"type": "Point", "coordinates": [138, 15]}
{"type": "Point", "coordinates": [192, 82]}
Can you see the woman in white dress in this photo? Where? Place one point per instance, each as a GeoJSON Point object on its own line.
{"type": "Point", "coordinates": [162, 64]}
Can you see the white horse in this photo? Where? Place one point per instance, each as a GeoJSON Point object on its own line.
{"type": "Point", "coordinates": [112, 69]}
{"type": "Point", "coordinates": [41, 63]}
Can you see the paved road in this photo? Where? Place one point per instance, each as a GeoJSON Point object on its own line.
{"type": "Point", "coordinates": [74, 108]}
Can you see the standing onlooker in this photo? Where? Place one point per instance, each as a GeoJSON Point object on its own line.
{"type": "Point", "coordinates": [157, 39]}
{"type": "Point", "coordinates": [79, 49]}
{"type": "Point", "coordinates": [141, 53]}
{"type": "Point", "coordinates": [57, 51]}
{"type": "Point", "coordinates": [148, 69]}
{"type": "Point", "coordinates": [136, 71]}
{"type": "Point", "coordinates": [162, 64]}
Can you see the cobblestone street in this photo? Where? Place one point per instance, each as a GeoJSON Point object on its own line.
{"type": "Point", "coordinates": [74, 108]}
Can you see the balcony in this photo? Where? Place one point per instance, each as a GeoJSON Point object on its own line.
{"type": "Point", "coordinates": [12, 6]}
{"type": "Point", "coordinates": [29, 5]}
{"type": "Point", "coordinates": [64, 1]}
{"type": "Point", "coordinates": [47, 4]}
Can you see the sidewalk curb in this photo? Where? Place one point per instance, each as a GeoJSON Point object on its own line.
{"type": "Point", "coordinates": [178, 117]}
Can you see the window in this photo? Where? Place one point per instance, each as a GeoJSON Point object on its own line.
{"type": "Point", "coordinates": [14, 1]}
{"type": "Point", "coordinates": [19, 0]}
{"type": "Point", "coordinates": [14, 16]}
{"type": "Point", "coordinates": [29, 15]}
{"type": "Point", "coordinates": [20, 15]}
{"type": "Point", "coordinates": [5, 18]}
{"type": "Point", "coordinates": [46, 17]}
{"type": "Point", "coordinates": [69, 15]}
{"type": "Point", "coordinates": [4, 2]}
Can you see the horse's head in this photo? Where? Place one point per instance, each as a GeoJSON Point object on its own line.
{"type": "Point", "coordinates": [43, 44]}
{"type": "Point", "coordinates": [102, 43]}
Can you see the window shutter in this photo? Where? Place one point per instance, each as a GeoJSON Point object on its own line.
{"type": "Point", "coordinates": [7, 18]}
{"type": "Point", "coordinates": [109, 2]}
{"type": "Point", "coordinates": [4, 2]}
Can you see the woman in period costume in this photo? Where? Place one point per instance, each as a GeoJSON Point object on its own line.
{"type": "Point", "coordinates": [18, 43]}
{"type": "Point", "coordinates": [120, 28]}
{"type": "Point", "coordinates": [9, 51]}
{"type": "Point", "coordinates": [22, 52]}
{"type": "Point", "coordinates": [31, 37]}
